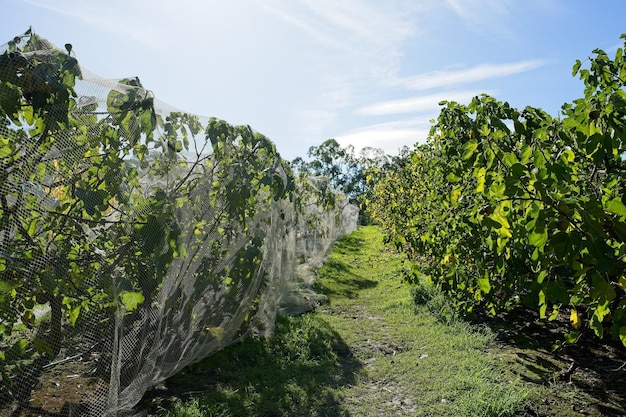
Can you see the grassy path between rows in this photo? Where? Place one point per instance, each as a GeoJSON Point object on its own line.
{"type": "Point", "coordinates": [368, 352]}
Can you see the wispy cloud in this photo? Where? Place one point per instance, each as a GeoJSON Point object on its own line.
{"type": "Point", "coordinates": [451, 78]}
{"type": "Point", "coordinates": [613, 48]}
{"type": "Point", "coordinates": [313, 123]}
{"type": "Point", "coordinates": [474, 9]}
{"type": "Point", "coordinates": [389, 136]}
{"type": "Point", "coordinates": [483, 15]}
{"type": "Point", "coordinates": [108, 18]}
{"type": "Point", "coordinates": [422, 104]}
{"type": "Point", "coordinates": [87, 15]}
{"type": "Point", "coordinates": [346, 25]}
{"type": "Point", "coordinates": [371, 22]}
{"type": "Point", "coordinates": [363, 42]}
{"type": "Point", "coordinates": [300, 21]}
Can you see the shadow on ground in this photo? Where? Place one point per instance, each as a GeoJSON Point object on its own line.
{"type": "Point", "coordinates": [597, 369]}
{"type": "Point", "coordinates": [341, 280]}
{"type": "Point", "coordinates": [295, 373]}
{"type": "Point", "coordinates": [349, 285]}
{"type": "Point", "coordinates": [349, 244]}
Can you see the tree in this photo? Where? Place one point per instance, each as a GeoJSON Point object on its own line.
{"type": "Point", "coordinates": [65, 173]}
{"type": "Point", "coordinates": [346, 172]}
{"type": "Point", "coordinates": [503, 207]}
{"type": "Point", "coordinates": [161, 235]}
{"type": "Point", "coordinates": [97, 203]}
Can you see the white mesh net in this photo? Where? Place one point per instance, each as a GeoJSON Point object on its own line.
{"type": "Point", "coordinates": [136, 239]}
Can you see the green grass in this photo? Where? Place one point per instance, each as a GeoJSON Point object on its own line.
{"type": "Point", "coordinates": [369, 352]}
{"type": "Point", "coordinates": [419, 365]}
{"type": "Point", "coordinates": [292, 374]}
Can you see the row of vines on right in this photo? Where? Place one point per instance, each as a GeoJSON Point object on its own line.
{"type": "Point", "coordinates": [505, 207]}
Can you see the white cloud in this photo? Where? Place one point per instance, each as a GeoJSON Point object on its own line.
{"type": "Point", "coordinates": [110, 19]}
{"type": "Point", "coordinates": [296, 69]}
{"type": "Point", "coordinates": [449, 78]}
{"type": "Point", "coordinates": [349, 24]}
{"type": "Point", "coordinates": [389, 136]}
{"type": "Point", "coordinates": [303, 23]}
{"type": "Point", "coordinates": [312, 124]}
{"type": "Point", "coordinates": [363, 40]}
{"type": "Point", "coordinates": [484, 15]}
{"type": "Point", "coordinates": [421, 104]}
{"type": "Point", "coordinates": [370, 22]}
{"type": "Point", "coordinates": [335, 93]}
{"type": "Point", "coordinates": [474, 9]}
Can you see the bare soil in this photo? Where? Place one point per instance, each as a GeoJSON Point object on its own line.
{"type": "Point", "coordinates": [588, 377]}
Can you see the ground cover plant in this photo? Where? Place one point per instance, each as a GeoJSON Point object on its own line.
{"type": "Point", "coordinates": [381, 347]}
{"type": "Point", "coordinates": [369, 351]}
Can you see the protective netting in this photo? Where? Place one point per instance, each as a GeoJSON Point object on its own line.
{"type": "Point", "coordinates": [136, 239]}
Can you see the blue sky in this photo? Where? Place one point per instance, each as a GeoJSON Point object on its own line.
{"type": "Point", "coordinates": [366, 72]}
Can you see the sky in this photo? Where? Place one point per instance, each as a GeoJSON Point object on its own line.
{"type": "Point", "coordinates": [368, 73]}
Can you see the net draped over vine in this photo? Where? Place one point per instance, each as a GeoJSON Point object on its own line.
{"type": "Point", "coordinates": [136, 239]}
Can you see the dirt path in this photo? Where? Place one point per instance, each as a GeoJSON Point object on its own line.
{"type": "Point", "coordinates": [412, 363]}
{"type": "Point", "coordinates": [415, 365]}
{"type": "Point", "coordinates": [369, 351]}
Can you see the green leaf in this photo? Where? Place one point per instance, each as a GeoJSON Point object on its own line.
{"type": "Point", "coordinates": [5, 150]}
{"type": "Point", "coordinates": [555, 313]}
{"type": "Point", "coordinates": [8, 286]}
{"type": "Point", "coordinates": [571, 337]}
{"type": "Point", "coordinates": [539, 159]}
{"type": "Point", "coordinates": [576, 67]}
{"type": "Point", "coordinates": [538, 239]}
{"type": "Point", "coordinates": [491, 223]}
{"type": "Point", "coordinates": [131, 299]}
{"type": "Point", "coordinates": [42, 346]}
{"type": "Point", "coordinates": [469, 148]}
{"type": "Point", "coordinates": [596, 325]}
{"type": "Point", "coordinates": [480, 179]}
{"type": "Point", "coordinates": [601, 289]}
{"type": "Point", "coordinates": [453, 178]}
{"type": "Point", "coordinates": [484, 285]}
{"type": "Point", "coordinates": [92, 199]}
{"type": "Point", "coordinates": [526, 154]}
{"type": "Point", "coordinates": [616, 206]}
{"type": "Point", "coordinates": [541, 276]}
{"type": "Point", "coordinates": [32, 227]}
{"type": "Point", "coordinates": [74, 313]}
{"type": "Point", "coordinates": [18, 350]}
{"type": "Point", "coordinates": [510, 159]}
{"type": "Point", "coordinates": [622, 335]}
{"type": "Point", "coordinates": [505, 227]}
{"type": "Point", "coordinates": [152, 234]}
{"type": "Point", "coordinates": [601, 311]}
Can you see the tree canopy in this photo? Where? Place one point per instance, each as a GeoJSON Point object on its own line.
{"type": "Point", "coordinates": [505, 207]}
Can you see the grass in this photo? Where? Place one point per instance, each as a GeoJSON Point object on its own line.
{"type": "Point", "coordinates": [413, 363]}
{"type": "Point", "coordinates": [378, 348]}
{"type": "Point", "coordinates": [292, 374]}
{"type": "Point", "coordinates": [368, 352]}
